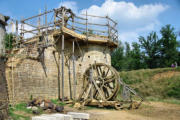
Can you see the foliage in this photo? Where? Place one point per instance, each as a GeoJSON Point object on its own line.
{"type": "Point", "coordinates": [19, 107]}
{"type": "Point", "coordinates": [169, 45]}
{"type": "Point", "coordinates": [118, 57]}
{"type": "Point", "coordinates": [57, 102]}
{"type": "Point", "coordinates": [151, 48]}
{"type": "Point", "coordinates": [8, 41]}
{"type": "Point", "coordinates": [149, 52]}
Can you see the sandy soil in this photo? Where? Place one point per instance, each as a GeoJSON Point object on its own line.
{"type": "Point", "coordinates": [148, 111]}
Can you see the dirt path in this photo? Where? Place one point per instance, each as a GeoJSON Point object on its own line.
{"type": "Point", "coordinates": [148, 111]}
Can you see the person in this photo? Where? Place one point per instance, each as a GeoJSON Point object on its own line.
{"type": "Point", "coordinates": [172, 65]}
{"type": "Point", "coordinates": [176, 65]}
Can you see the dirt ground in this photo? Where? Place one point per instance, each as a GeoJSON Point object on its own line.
{"type": "Point", "coordinates": [148, 111]}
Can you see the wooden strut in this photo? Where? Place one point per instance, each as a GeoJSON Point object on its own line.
{"type": "Point", "coordinates": [96, 86]}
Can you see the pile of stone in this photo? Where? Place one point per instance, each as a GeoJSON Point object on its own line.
{"type": "Point", "coordinates": [46, 105]}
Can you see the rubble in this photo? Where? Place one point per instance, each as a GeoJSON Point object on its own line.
{"type": "Point", "coordinates": [41, 104]}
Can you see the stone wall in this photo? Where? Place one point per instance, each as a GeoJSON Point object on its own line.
{"type": "Point", "coordinates": [28, 77]}
{"type": "Point", "coordinates": [3, 91]}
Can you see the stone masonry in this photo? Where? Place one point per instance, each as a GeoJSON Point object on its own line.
{"type": "Point", "coordinates": [28, 77]}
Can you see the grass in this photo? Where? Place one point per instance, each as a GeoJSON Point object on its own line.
{"type": "Point", "coordinates": [57, 102]}
{"type": "Point", "coordinates": [162, 83]}
{"type": "Point", "coordinates": [171, 101]}
{"type": "Point", "coordinates": [19, 107]}
{"type": "Point", "coordinates": [22, 108]}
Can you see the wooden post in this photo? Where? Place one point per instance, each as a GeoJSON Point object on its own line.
{"type": "Point", "coordinates": [16, 28]}
{"type": "Point", "coordinates": [46, 24]}
{"type": "Point", "coordinates": [74, 73]}
{"type": "Point", "coordinates": [16, 34]}
{"type": "Point", "coordinates": [62, 54]}
{"type": "Point", "coordinates": [73, 23]}
{"type": "Point", "coordinates": [54, 19]}
{"type": "Point", "coordinates": [109, 31]}
{"type": "Point", "coordinates": [86, 26]}
{"type": "Point", "coordinates": [70, 88]}
{"type": "Point", "coordinates": [59, 74]}
{"type": "Point", "coordinates": [91, 79]}
{"type": "Point", "coordinates": [39, 22]}
{"type": "Point", "coordinates": [22, 29]}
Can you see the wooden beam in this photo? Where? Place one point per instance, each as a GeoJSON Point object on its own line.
{"type": "Point", "coordinates": [37, 15]}
{"type": "Point", "coordinates": [94, 16]}
{"type": "Point", "coordinates": [30, 25]}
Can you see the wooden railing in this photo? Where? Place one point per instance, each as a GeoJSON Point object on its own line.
{"type": "Point", "coordinates": [86, 24]}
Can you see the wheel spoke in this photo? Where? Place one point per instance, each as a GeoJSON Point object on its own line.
{"type": "Point", "coordinates": [105, 82]}
{"type": "Point", "coordinates": [107, 72]}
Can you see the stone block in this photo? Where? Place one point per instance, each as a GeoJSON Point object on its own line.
{"type": "Point", "coordinates": [65, 117]}
{"type": "Point", "coordinates": [45, 118]}
{"type": "Point", "coordinates": [80, 116]}
{"type": "Point", "coordinates": [53, 117]}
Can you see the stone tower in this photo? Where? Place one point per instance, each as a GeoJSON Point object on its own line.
{"type": "Point", "coordinates": [3, 84]}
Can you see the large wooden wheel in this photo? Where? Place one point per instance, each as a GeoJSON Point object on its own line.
{"type": "Point", "coordinates": [100, 82]}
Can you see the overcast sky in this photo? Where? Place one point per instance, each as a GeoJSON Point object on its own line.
{"type": "Point", "coordinates": [135, 17]}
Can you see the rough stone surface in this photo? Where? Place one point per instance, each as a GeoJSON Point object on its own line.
{"type": "Point", "coordinates": [28, 77]}
{"type": "Point", "coordinates": [53, 117]}
{"type": "Point", "coordinates": [3, 91]}
{"type": "Point", "coordinates": [80, 116]}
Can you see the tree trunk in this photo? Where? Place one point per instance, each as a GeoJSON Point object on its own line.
{"type": "Point", "coordinates": [3, 91]}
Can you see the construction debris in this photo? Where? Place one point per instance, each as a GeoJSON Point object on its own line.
{"type": "Point", "coordinates": [46, 105]}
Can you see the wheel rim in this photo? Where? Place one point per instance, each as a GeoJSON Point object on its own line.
{"type": "Point", "coordinates": [106, 78]}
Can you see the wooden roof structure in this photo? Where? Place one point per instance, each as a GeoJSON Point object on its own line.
{"type": "Point", "coordinates": [69, 24]}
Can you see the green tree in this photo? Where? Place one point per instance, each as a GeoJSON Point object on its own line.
{"type": "Point", "coordinates": [151, 48]}
{"type": "Point", "coordinates": [136, 55]}
{"type": "Point", "coordinates": [169, 47]}
{"type": "Point", "coordinates": [8, 41]}
{"type": "Point", "coordinates": [127, 57]}
{"type": "Point", "coordinates": [117, 57]}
